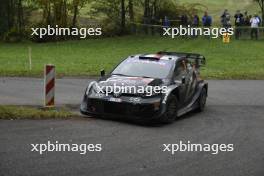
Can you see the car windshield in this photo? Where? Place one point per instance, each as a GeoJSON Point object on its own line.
{"type": "Point", "coordinates": [144, 68]}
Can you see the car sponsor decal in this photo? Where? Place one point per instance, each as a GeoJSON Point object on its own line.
{"type": "Point", "coordinates": [135, 100]}
{"type": "Point", "coordinates": [118, 100]}
{"type": "Point", "coordinates": [129, 80]}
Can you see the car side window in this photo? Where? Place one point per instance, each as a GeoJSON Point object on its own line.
{"type": "Point", "coordinates": [180, 70]}
{"type": "Point", "coordinates": [191, 63]}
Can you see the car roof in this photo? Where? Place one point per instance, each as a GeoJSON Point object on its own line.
{"type": "Point", "coordinates": [158, 57]}
{"type": "Point", "coordinates": [154, 57]}
{"type": "Point", "coordinates": [182, 54]}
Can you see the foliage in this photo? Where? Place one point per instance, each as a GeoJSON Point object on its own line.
{"type": "Point", "coordinates": [11, 16]}
{"type": "Point", "coordinates": [13, 35]}
{"type": "Point", "coordinates": [261, 6]}
{"type": "Point", "coordinates": [174, 10]}
{"type": "Point", "coordinates": [15, 14]}
{"type": "Point", "coordinates": [108, 12]}
{"type": "Point", "coordinates": [114, 16]}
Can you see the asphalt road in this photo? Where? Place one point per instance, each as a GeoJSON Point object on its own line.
{"type": "Point", "coordinates": [234, 115]}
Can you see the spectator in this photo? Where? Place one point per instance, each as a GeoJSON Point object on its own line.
{"type": "Point", "coordinates": [195, 23]}
{"type": "Point", "coordinates": [196, 20]}
{"type": "Point", "coordinates": [246, 19]}
{"type": "Point", "coordinates": [226, 19]}
{"type": "Point", "coordinates": [184, 20]}
{"type": "Point", "coordinates": [254, 26]}
{"type": "Point", "coordinates": [166, 22]}
{"type": "Point", "coordinates": [259, 20]}
{"type": "Point", "coordinates": [239, 21]}
{"type": "Point", "coordinates": [207, 20]}
{"type": "Point", "coordinates": [223, 17]}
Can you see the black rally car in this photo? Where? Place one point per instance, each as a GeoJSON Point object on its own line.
{"type": "Point", "coordinates": [177, 72]}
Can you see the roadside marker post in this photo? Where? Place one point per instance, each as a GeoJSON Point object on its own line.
{"type": "Point", "coordinates": [30, 58]}
{"type": "Point", "coordinates": [49, 86]}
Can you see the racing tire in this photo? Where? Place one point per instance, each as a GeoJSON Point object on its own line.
{"type": "Point", "coordinates": [171, 110]}
{"type": "Point", "coordinates": [202, 100]}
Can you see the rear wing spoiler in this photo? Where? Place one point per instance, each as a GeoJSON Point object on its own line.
{"type": "Point", "coordinates": [197, 58]}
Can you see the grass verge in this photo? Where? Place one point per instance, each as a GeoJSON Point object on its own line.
{"type": "Point", "coordinates": [241, 59]}
{"type": "Point", "coordinates": [19, 112]}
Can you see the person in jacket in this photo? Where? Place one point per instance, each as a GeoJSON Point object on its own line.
{"type": "Point", "coordinates": [239, 21]}
{"type": "Point", "coordinates": [254, 21]}
{"type": "Point", "coordinates": [207, 20]}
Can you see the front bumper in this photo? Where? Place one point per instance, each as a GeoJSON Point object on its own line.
{"type": "Point", "coordinates": [149, 108]}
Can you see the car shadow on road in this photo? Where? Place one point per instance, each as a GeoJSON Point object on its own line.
{"type": "Point", "coordinates": [142, 122]}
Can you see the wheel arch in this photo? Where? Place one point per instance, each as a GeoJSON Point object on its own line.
{"type": "Point", "coordinates": [206, 88]}
{"type": "Point", "coordinates": [176, 93]}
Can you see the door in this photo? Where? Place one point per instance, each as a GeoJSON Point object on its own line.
{"type": "Point", "coordinates": [192, 80]}
{"type": "Point", "coordinates": [180, 78]}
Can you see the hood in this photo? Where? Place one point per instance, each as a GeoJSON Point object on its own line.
{"type": "Point", "coordinates": [126, 81]}
{"type": "Point", "coordinates": [129, 81]}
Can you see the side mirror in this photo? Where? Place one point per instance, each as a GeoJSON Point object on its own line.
{"type": "Point", "coordinates": [183, 79]}
{"type": "Point", "coordinates": [102, 72]}
{"type": "Point", "coordinates": [201, 61]}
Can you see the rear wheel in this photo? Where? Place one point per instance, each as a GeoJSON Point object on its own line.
{"type": "Point", "coordinates": [202, 100]}
{"type": "Point", "coordinates": [171, 110]}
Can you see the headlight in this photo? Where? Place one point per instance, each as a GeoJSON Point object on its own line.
{"type": "Point", "coordinates": [95, 88]}
{"type": "Point", "coordinates": [90, 88]}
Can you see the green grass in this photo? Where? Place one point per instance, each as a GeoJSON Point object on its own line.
{"type": "Point", "coordinates": [14, 112]}
{"type": "Point", "coordinates": [242, 59]}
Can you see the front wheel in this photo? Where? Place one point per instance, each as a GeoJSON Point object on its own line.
{"type": "Point", "coordinates": [171, 110]}
{"type": "Point", "coordinates": [202, 100]}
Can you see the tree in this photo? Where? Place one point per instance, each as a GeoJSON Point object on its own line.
{"type": "Point", "coordinates": [12, 18]}
{"type": "Point", "coordinates": [57, 12]}
{"type": "Point", "coordinates": [261, 5]}
{"type": "Point", "coordinates": [146, 12]}
{"type": "Point", "coordinates": [75, 7]}
{"type": "Point", "coordinates": [4, 25]}
{"type": "Point", "coordinates": [123, 16]}
{"type": "Point", "coordinates": [131, 10]}
{"type": "Point", "coordinates": [75, 12]}
{"type": "Point", "coordinates": [112, 14]}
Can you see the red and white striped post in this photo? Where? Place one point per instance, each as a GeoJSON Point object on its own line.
{"type": "Point", "coordinates": [49, 86]}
